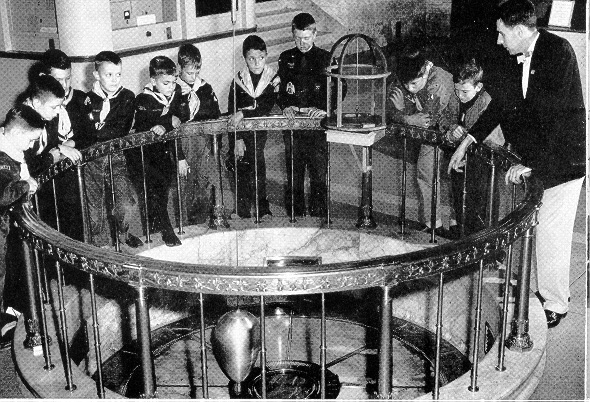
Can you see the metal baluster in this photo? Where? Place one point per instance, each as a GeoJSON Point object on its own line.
{"type": "Point", "coordinates": [328, 187]}
{"type": "Point", "coordinates": [491, 189]}
{"type": "Point", "coordinates": [203, 349]}
{"type": "Point", "coordinates": [323, 348]}
{"type": "Point", "coordinates": [220, 219]}
{"type": "Point", "coordinates": [142, 318]}
{"type": "Point", "coordinates": [256, 179]}
{"type": "Point", "coordinates": [402, 218]}
{"type": "Point", "coordinates": [95, 325]}
{"type": "Point", "coordinates": [114, 201]}
{"type": "Point", "coordinates": [506, 298]}
{"type": "Point", "coordinates": [63, 322]}
{"type": "Point", "coordinates": [292, 220]}
{"type": "Point", "coordinates": [70, 386]}
{"type": "Point", "coordinates": [148, 238]}
{"type": "Point", "coordinates": [96, 333]}
{"type": "Point", "coordinates": [475, 357]}
{"type": "Point", "coordinates": [439, 329]}
{"type": "Point", "coordinates": [40, 260]}
{"type": "Point", "coordinates": [45, 338]}
{"type": "Point", "coordinates": [519, 339]}
{"type": "Point", "coordinates": [434, 197]}
{"type": "Point", "coordinates": [464, 199]}
{"type": "Point", "coordinates": [178, 189]}
{"type": "Point", "coordinates": [87, 232]}
{"type": "Point", "coordinates": [385, 358]}
{"type": "Point", "coordinates": [33, 338]}
{"type": "Point", "coordinates": [263, 347]}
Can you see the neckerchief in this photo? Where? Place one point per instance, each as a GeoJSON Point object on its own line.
{"type": "Point", "coordinates": [64, 125]}
{"type": "Point", "coordinates": [194, 103]}
{"type": "Point", "coordinates": [106, 102]}
{"type": "Point", "coordinates": [43, 137]}
{"type": "Point", "coordinates": [150, 90]}
{"type": "Point", "coordinates": [244, 80]}
{"type": "Point", "coordinates": [16, 155]}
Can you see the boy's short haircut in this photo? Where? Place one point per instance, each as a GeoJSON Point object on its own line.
{"type": "Point", "coordinates": [253, 42]}
{"type": "Point", "coordinates": [43, 86]}
{"type": "Point", "coordinates": [410, 65]}
{"type": "Point", "coordinates": [189, 55]}
{"type": "Point", "coordinates": [470, 70]}
{"type": "Point", "coordinates": [162, 65]}
{"type": "Point", "coordinates": [24, 116]}
{"type": "Point", "coordinates": [515, 12]}
{"type": "Point", "coordinates": [303, 22]}
{"type": "Point", "coordinates": [106, 56]}
{"type": "Point", "coordinates": [55, 58]}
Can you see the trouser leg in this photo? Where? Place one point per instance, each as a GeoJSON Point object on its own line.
{"type": "Point", "coordinates": [554, 243]}
{"type": "Point", "coordinates": [318, 171]}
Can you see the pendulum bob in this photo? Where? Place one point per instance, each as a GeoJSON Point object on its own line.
{"type": "Point", "coordinates": [236, 344]}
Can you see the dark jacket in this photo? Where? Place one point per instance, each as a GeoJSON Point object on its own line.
{"type": "Point", "coordinates": [117, 123]}
{"type": "Point", "coordinates": [250, 106]}
{"type": "Point", "coordinates": [547, 129]}
{"type": "Point", "coordinates": [208, 107]}
{"type": "Point", "coordinates": [303, 82]}
{"type": "Point", "coordinates": [12, 188]}
{"type": "Point", "coordinates": [148, 113]}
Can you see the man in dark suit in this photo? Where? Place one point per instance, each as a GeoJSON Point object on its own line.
{"type": "Point", "coordinates": [542, 116]}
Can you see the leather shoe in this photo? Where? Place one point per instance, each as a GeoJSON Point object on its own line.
{"type": "Point", "coordinates": [439, 231]}
{"type": "Point", "coordinates": [170, 238]}
{"type": "Point", "coordinates": [553, 318]}
{"type": "Point", "coordinates": [133, 241]}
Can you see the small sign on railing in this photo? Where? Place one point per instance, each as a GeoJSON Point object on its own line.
{"type": "Point", "coordinates": [283, 261]}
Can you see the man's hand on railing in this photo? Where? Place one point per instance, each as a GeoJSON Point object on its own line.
{"type": "Point", "coordinates": [516, 173]}
{"type": "Point", "coordinates": [418, 119]}
{"type": "Point", "coordinates": [458, 158]}
{"type": "Point", "coordinates": [33, 185]}
{"type": "Point", "coordinates": [71, 153]}
{"type": "Point", "coordinates": [183, 168]}
{"type": "Point", "coordinates": [158, 130]}
{"type": "Point", "coordinates": [314, 112]}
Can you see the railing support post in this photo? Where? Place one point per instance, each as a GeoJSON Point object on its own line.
{"type": "Point", "coordinates": [33, 338]}
{"type": "Point", "coordinates": [385, 358]}
{"type": "Point", "coordinates": [519, 339]}
{"type": "Point", "coordinates": [219, 219]}
{"type": "Point", "coordinates": [144, 342]}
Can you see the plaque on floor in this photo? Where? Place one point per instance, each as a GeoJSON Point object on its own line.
{"type": "Point", "coordinates": [364, 139]}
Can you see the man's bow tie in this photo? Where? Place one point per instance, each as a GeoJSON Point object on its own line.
{"type": "Point", "coordinates": [521, 58]}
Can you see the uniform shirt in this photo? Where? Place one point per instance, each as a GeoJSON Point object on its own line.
{"type": "Point", "coordinates": [432, 99]}
{"type": "Point", "coordinates": [208, 104]}
{"type": "Point", "coordinates": [116, 124]}
{"type": "Point", "coordinates": [303, 82]}
{"type": "Point", "coordinates": [149, 112]}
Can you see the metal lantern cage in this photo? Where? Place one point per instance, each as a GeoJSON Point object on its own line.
{"type": "Point", "coordinates": [356, 112]}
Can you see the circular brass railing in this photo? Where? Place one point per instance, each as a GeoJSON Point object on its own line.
{"type": "Point", "coordinates": [384, 272]}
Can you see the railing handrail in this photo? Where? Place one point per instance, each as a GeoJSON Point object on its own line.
{"type": "Point", "coordinates": [262, 280]}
